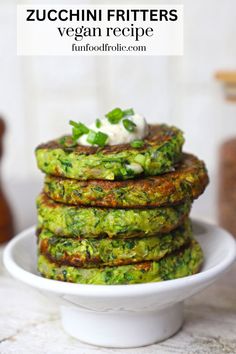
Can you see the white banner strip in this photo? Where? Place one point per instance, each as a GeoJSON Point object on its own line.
{"type": "Point", "coordinates": [99, 30]}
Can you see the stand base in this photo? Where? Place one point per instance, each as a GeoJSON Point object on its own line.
{"type": "Point", "coordinates": [122, 329]}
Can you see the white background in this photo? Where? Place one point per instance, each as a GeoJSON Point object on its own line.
{"type": "Point", "coordinates": [38, 95]}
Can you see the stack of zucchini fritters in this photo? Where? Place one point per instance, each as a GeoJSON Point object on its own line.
{"type": "Point", "coordinates": [118, 214]}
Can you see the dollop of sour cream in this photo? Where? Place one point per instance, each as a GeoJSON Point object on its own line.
{"type": "Point", "coordinates": [117, 133]}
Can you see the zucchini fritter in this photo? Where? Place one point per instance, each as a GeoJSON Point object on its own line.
{"type": "Point", "coordinates": [188, 181]}
{"type": "Point", "coordinates": [161, 151]}
{"type": "Point", "coordinates": [94, 252]}
{"type": "Point", "coordinates": [93, 222]}
{"type": "Point", "coordinates": [184, 262]}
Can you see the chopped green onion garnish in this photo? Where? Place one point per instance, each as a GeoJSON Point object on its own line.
{"type": "Point", "coordinates": [91, 137]}
{"type": "Point", "coordinates": [128, 112]}
{"type": "Point", "coordinates": [62, 140]}
{"type": "Point", "coordinates": [137, 143]}
{"type": "Point", "coordinates": [67, 142]}
{"type": "Point", "coordinates": [78, 129]}
{"type": "Point", "coordinates": [73, 123]}
{"type": "Point", "coordinates": [98, 123]}
{"type": "Point", "coordinates": [80, 126]}
{"type": "Point", "coordinates": [115, 116]}
{"type": "Point", "coordinates": [97, 138]}
{"type": "Point", "coordinates": [129, 125]}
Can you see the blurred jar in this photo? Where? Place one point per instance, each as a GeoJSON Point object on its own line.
{"type": "Point", "coordinates": [227, 185]}
{"type": "Point", "coordinates": [6, 219]}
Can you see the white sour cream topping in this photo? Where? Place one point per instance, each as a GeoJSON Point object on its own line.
{"type": "Point", "coordinates": [117, 134]}
{"type": "Point", "coordinates": [136, 167]}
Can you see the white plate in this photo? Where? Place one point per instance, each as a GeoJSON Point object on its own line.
{"type": "Point", "coordinates": [123, 315]}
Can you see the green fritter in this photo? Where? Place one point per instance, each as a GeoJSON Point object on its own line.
{"type": "Point", "coordinates": [94, 252]}
{"type": "Point", "coordinates": [188, 181]}
{"type": "Point", "coordinates": [93, 222]}
{"type": "Point", "coordinates": [184, 262]}
{"type": "Point", "coordinates": [162, 149]}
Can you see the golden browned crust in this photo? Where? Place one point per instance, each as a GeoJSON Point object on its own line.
{"type": "Point", "coordinates": [157, 133]}
{"type": "Point", "coordinates": [189, 180]}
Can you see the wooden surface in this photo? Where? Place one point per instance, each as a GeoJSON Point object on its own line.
{"type": "Point", "coordinates": [29, 323]}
